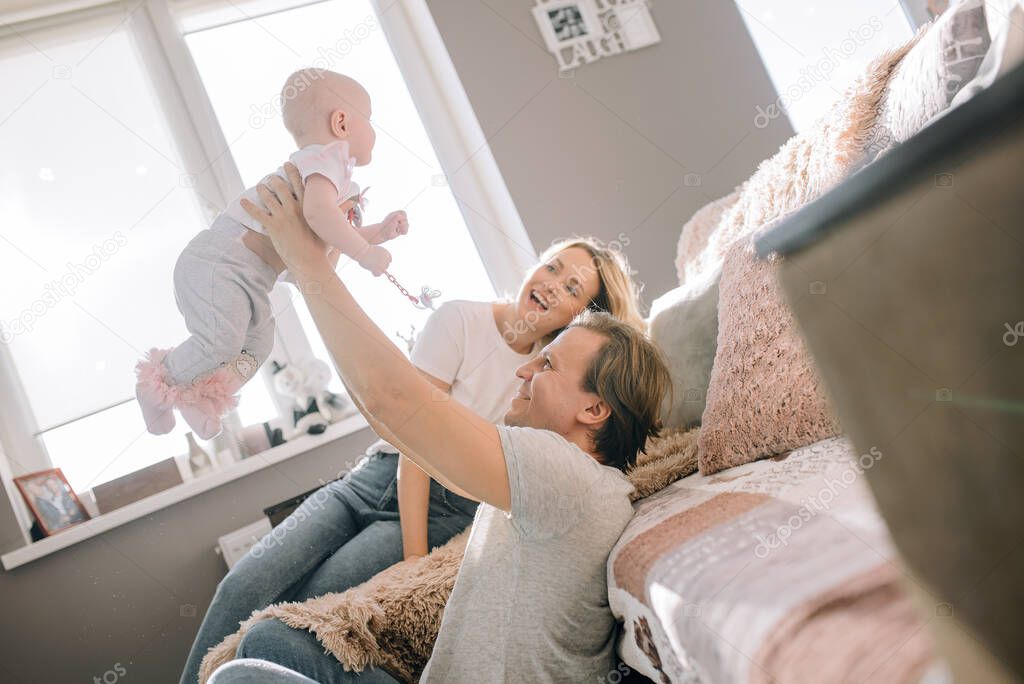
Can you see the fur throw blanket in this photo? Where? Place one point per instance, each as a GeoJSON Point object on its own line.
{"type": "Point", "coordinates": [391, 621]}
{"type": "Point", "coordinates": [847, 137]}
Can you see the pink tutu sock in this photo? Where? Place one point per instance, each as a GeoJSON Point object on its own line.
{"type": "Point", "coordinates": [203, 403]}
{"type": "Point", "coordinates": [155, 392]}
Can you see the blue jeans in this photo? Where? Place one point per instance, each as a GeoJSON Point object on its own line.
{"type": "Point", "coordinates": [300, 654]}
{"type": "Point", "coordinates": [340, 536]}
{"type": "Point", "coordinates": [253, 671]}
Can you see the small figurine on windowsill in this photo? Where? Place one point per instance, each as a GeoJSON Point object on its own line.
{"type": "Point", "coordinates": [318, 398]}
{"type": "Point", "coordinates": [315, 406]}
{"type": "Point", "coordinates": [314, 409]}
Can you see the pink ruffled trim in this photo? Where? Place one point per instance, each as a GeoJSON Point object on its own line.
{"type": "Point", "coordinates": [154, 377]}
{"type": "Point", "coordinates": [213, 394]}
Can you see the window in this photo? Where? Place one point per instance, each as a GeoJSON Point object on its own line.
{"type": "Point", "coordinates": [114, 166]}
{"type": "Point", "coordinates": [94, 206]}
{"type": "Point", "coordinates": [343, 35]}
{"type": "Point", "coordinates": [812, 50]}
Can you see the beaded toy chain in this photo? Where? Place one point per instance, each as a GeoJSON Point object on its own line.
{"type": "Point", "coordinates": [427, 295]}
{"type": "Point", "coordinates": [424, 301]}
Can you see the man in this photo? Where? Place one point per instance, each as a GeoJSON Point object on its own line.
{"type": "Point", "coordinates": [51, 517]}
{"type": "Point", "coordinates": [59, 497]}
{"type": "Point", "coordinates": [530, 601]}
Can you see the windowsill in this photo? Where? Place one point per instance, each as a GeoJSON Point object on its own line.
{"type": "Point", "coordinates": [178, 493]}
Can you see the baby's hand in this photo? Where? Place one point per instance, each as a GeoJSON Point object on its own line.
{"type": "Point", "coordinates": [375, 259]}
{"type": "Point", "coordinates": [394, 224]}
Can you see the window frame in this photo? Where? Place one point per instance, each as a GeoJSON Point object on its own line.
{"type": "Point", "coordinates": [462, 149]}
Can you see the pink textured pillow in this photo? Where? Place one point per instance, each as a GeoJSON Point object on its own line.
{"type": "Point", "coordinates": [765, 395]}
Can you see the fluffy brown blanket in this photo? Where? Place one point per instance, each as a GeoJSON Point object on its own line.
{"type": "Point", "coordinates": [391, 621]}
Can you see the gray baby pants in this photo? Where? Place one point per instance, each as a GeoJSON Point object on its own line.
{"type": "Point", "coordinates": [222, 289]}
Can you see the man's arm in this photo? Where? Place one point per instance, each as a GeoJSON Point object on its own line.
{"type": "Point", "coordinates": [384, 433]}
{"type": "Point", "coordinates": [446, 439]}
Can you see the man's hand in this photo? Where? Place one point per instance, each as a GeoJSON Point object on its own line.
{"type": "Point", "coordinates": [375, 259]}
{"type": "Point", "coordinates": [295, 242]}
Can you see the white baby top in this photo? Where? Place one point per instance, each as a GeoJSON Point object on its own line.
{"type": "Point", "coordinates": [460, 344]}
{"type": "Point", "coordinates": [331, 161]}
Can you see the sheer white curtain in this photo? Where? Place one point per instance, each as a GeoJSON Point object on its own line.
{"type": "Point", "coordinates": [812, 49]}
{"type": "Point", "coordinates": [244, 81]}
{"type": "Point", "coordinates": [94, 214]}
{"type": "Point", "coordinates": [97, 205]}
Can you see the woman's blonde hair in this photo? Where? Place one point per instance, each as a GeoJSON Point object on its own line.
{"type": "Point", "coordinates": [617, 293]}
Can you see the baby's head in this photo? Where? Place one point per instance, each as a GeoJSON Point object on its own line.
{"type": "Point", "coordinates": [321, 106]}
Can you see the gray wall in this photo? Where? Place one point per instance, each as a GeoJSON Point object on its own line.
{"type": "Point", "coordinates": [118, 598]}
{"type": "Point", "coordinates": [608, 150]}
{"type": "Point", "coordinates": [604, 152]}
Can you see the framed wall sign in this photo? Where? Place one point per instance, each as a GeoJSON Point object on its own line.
{"type": "Point", "coordinates": [578, 32]}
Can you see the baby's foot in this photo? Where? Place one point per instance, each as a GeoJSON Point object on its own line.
{"type": "Point", "coordinates": [204, 425]}
{"type": "Point", "coordinates": [205, 401]}
{"type": "Point", "coordinates": [155, 392]}
{"type": "Point", "coordinates": [158, 415]}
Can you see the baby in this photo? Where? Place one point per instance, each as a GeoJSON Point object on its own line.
{"type": "Point", "coordinates": [223, 278]}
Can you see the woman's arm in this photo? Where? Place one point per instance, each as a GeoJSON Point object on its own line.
{"type": "Point", "coordinates": [413, 507]}
{"type": "Point", "coordinates": [414, 496]}
{"type": "Point", "coordinates": [449, 441]}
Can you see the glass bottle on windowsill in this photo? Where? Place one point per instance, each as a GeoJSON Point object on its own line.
{"type": "Point", "coordinates": [225, 448]}
{"type": "Point", "coordinates": [198, 460]}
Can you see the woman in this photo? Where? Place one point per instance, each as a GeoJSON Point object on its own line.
{"type": "Point", "coordinates": [350, 529]}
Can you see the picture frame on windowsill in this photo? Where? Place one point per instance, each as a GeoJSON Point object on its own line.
{"type": "Point", "coordinates": [52, 501]}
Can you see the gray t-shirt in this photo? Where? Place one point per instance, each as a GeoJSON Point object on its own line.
{"type": "Point", "coordinates": [531, 600]}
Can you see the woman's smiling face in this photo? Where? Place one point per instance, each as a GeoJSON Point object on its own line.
{"type": "Point", "coordinates": [558, 289]}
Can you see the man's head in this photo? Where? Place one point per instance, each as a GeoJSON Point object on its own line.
{"type": "Point", "coordinates": [320, 106]}
{"type": "Point", "coordinates": [599, 384]}
{"type": "Point", "coordinates": [37, 489]}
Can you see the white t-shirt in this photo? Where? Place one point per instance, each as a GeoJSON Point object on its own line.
{"type": "Point", "coordinates": [530, 603]}
{"type": "Point", "coordinates": [461, 345]}
{"type": "Point", "coordinates": [332, 161]}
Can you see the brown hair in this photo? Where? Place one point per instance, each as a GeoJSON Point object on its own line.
{"type": "Point", "coordinates": [629, 373]}
{"type": "Point", "coordinates": [617, 293]}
